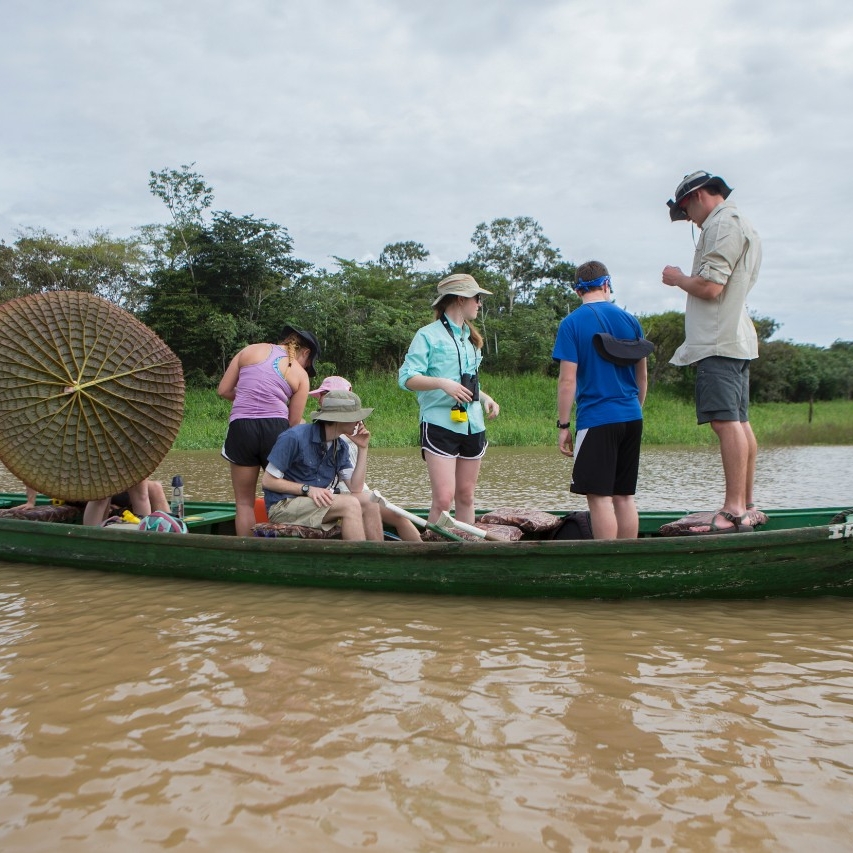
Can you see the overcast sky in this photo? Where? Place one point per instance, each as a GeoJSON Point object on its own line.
{"type": "Point", "coordinates": [358, 123]}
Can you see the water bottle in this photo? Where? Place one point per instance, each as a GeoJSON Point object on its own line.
{"type": "Point", "coordinates": [176, 507]}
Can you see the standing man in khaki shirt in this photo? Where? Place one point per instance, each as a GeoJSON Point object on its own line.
{"type": "Point", "coordinates": [720, 337]}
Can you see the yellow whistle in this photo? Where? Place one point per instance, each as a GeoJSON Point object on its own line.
{"type": "Point", "coordinates": [129, 517]}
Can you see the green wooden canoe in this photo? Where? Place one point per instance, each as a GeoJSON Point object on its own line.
{"type": "Point", "coordinates": [800, 553]}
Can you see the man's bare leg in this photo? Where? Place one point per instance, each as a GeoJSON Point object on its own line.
{"type": "Point", "coordinates": [602, 515]}
{"type": "Point", "coordinates": [627, 517]}
{"type": "Point", "coordinates": [346, 511]}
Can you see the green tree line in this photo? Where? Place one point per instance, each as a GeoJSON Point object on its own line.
{"type": "Point", "coordinates": [210, 281]}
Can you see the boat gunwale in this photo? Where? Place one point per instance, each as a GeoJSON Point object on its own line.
{"type": "Point", "coordinates": [688, 543]}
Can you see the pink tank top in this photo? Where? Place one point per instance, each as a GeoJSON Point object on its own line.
{"type": "Point", "coordinates": [262, 391]}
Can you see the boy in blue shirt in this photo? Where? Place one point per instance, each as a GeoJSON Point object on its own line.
{"type": "Point", "coordinates": [609, 406]}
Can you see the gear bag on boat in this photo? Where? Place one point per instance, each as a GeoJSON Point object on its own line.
{"type": "Point", "coordinates": [162, 522]}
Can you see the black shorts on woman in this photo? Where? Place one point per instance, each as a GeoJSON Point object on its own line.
{"type": "Point", "coordinates": [441, 441]}
{"type": "Point", "coordinates": [249, 440]}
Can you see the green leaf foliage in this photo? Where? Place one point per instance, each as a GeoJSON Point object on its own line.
{"type": "Point", "coordinates": [211, 281]}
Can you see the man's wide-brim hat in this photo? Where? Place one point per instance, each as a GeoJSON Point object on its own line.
{"type": "Point", "coordinates": [459, 284]}
{"type": "Point", "coordinates": [310, 340]}
{"type": "Point", "coordinates": [692, 182]}
{"type": "Point", "coordinates": [341, 407]}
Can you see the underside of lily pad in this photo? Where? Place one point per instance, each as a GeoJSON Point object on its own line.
{"type": "Point", "coordinates": [91, 399]}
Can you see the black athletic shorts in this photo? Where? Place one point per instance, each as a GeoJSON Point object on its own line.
{"type": "Point", "coordinates": [441, 441]}
{"type": "Point", "coordinates": [607, 459]}
{"type": "Point", "coordinates": [249, 440]}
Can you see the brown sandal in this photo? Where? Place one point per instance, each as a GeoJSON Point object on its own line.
{"type": "Point", "coordinates": [739, 524]}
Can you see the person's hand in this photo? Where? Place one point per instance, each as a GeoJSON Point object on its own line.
{"type": "Point", "coordinates": [490, 407]}
{"type": "Point", "coordinates": [321, 496]}
{"type": "Point", "coordinates": [565, 444]}
{"type": "Point", "coordinates": [360, 436]}
{"type": "Point", "coordinates": [456, 390]}
{"type": "Point", "coordinates": [672, 276]}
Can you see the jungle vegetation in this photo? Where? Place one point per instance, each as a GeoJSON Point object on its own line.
{"type": "Point", "coordinates": [210, 281]}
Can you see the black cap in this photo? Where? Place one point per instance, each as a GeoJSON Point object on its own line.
{"type": "Point", "coordinates": [312, 343]}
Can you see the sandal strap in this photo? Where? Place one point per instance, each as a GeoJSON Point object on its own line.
{"type": "Point", "coordinates": [736, 520]}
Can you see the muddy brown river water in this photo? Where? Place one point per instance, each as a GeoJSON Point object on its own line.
{"type": "Point", "coordinates": [140, 714]}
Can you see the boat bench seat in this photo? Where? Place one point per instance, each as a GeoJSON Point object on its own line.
{"type": "Point", "coordinates": [269, 530]}
{"type": "Point", "coordinates": [681, 526]}
{"type": "Point", "coordinates": [45, 512]}
{"type": "Point", "coordinates": [528, 520]}
{"type": "Point", "coordinates": [506, 532]}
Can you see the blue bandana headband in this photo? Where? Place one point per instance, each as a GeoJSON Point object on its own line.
{"type": "Point", "coordinates": [583, 286]}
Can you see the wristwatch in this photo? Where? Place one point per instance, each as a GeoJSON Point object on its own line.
{"type": "Point", "coordinates": [566, 425]}
{"type": "Point", "coordinates": [305, 488]}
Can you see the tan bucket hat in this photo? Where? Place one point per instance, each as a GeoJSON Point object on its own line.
{"type": "Point", "coordinates": [459, 284]}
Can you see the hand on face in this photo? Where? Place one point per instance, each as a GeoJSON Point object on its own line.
{"type": "Point", "coordinates": [358, 434]}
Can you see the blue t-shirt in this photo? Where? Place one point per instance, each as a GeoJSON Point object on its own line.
{"type": "Point", "coordinates": [302, 454]}
{"type": "Point", "coordinates": [606, 393]}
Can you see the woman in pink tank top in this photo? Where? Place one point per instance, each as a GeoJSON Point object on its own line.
{"type": "Point", "coordinates": [268, 386]}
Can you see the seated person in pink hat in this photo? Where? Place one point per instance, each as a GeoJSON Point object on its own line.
{"type": "Point", "coordinates": [308, 461]}
{"type": "Point", "coordinates": [405, 529]}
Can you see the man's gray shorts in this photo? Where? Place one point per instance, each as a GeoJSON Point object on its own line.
{"type": "Point", "coordinates": [722, 389]}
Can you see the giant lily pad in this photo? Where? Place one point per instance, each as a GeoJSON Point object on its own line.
{"type": "Point", "coordinates": [90, 398]}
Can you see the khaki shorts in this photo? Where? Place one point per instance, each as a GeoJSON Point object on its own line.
{"type": "Point", "coordinates": [300, 511]}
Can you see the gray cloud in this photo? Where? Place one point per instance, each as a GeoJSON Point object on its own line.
{"type": "Point", "coordinates": [359, 124]}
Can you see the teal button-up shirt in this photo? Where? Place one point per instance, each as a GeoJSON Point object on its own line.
{"type": "Point", "coordinates": [433, 352]}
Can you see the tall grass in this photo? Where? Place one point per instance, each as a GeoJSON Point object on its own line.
{"type": "Point", "coordinates": [528, 414]}
{"type": "Point", "coordinates": [205, 420]}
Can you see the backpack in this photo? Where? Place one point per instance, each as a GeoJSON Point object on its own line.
{"type": "Point", "coordinates": [162, 522]}
{"type": "Point", "coordinates": [575, 525]}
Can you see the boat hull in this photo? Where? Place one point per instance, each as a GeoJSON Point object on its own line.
{"type": "Point", "coordinates": [798, 562]}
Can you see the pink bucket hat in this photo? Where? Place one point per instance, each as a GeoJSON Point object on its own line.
{"type": "Point", "coordinates": [331, 383]}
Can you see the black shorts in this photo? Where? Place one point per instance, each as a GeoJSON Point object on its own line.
{"type": "Point", "coordinates": [607, 459]}
{"type": "Point", "coordinates": [121, 501]}
{"type": "Point", "coordinates": [722, 389]}
{"type": "Point", "coordinates": [249, 440]}
{"type": "Point", "coordinates": [441, 441]}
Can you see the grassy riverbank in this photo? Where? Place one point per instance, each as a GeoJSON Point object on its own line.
{"type": "Point", "coordinates": [528, 411]}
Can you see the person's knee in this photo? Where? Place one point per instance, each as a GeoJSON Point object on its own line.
{"type": "Point", "coordinates": [345, 506]}
{"type": "Point", "coordinates": [442, 496]}
{"type": "Point", "coordinates": [465, 492]}
{"type": "Point", "coordinates": [369, 508]}
{"type": "Point", "coordinates": [600, 503]}
{"type": "Point", "coordinates": [728, 429]}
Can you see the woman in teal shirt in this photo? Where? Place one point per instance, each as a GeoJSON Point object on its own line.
{"type": "Point", "coordinates": [442, 366]}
